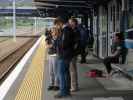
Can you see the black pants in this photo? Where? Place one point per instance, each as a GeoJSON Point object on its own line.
{"type": "Point", "coordinates": [107, 62]}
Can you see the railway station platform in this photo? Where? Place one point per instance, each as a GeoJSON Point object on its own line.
{"type": "Point", "coordinates": [29, 80]}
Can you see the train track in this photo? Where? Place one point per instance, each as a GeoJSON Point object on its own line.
{"type": "Point", "coordinates": [8, 47]}
{"type": "Point", "coordinates": [8, 63]}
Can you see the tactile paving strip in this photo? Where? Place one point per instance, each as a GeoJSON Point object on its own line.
{"type": "Point", "coordinates": [31, 86]}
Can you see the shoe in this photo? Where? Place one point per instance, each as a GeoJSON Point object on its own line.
{"type": "Point", "coordinates": [58, 96]}
{"type": "Point", "coordinates": [50, 88]}
{"type": "Point", "coordinates": [56, 88]}
{"type": "Point", "coordinates": [74, 90]}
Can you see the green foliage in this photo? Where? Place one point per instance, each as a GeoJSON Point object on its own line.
{"type": "Point", "coordinates": [6, 22]}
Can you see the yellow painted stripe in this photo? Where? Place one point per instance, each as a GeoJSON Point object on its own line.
{"type": "Point", "coordinates": [31, 86]}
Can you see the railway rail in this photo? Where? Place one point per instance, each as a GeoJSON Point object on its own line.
{"type": "Point", "coordinates": [8, 62]}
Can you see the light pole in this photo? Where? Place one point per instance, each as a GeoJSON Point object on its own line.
{"type": "Point", "coordinates": [14, 19]}
{"type": "Point", "coordinates": [35, 25]}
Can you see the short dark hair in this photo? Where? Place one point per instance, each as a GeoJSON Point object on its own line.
{"type": "Point", "coordinates": [74, 20]}
{"type": "Point", "coordinates": [120, 36]}
{"type": "Point", "coordinates": [58, 20]}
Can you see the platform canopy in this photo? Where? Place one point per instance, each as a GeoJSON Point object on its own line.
{"type": "Point", "coordinates": [50, 7]}
{"type": "Point", "coordinates": [70, 6]}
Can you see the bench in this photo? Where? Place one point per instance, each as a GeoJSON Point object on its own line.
{"type": "Point", "coordinates": [123, 69]}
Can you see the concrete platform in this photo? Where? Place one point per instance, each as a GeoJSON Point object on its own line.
{"type": "Point", "coordinates": [90, 88]}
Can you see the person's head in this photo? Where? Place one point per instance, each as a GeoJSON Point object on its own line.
{"type": "Point", "coordinates": [118, 37]}
{"type": "Point", "coordinates": [59, 22]}
{"type": "Point", "coordinates": [73, 23]}
{"type": "Point", "coordinates": [55, 31]}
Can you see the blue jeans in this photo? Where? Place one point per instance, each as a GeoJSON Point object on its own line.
{"type": "Point", "coordinates": [64, 76]}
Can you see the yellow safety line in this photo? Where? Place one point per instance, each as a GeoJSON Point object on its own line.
{"type": "Point", "coordinates": [31, 86]}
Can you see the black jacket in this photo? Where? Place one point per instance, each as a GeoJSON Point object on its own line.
{"type": "Point", "coordinates": [51, 40]}
{"type": "Point", "coordinates": [76, 41]}
{"type": "Point", "coordinates": [65, 43]}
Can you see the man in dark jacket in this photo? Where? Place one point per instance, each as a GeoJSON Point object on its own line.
{"type": "Point", "coordinates": [65, 53]}
{"type": "Point", "coordinates": [73, 23]}
{"type": "Point", "coordinates": [84, 36]}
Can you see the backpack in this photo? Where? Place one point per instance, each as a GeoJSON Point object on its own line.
{"type": "Point", "coordinates": [95, 73]}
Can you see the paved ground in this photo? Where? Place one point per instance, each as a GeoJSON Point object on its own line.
{"type": "Point", "coordinates": [117, 88]}
{"type": "Point", "coordinates": [90, 88]}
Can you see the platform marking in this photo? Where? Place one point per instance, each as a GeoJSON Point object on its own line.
{"type": "Point", "coordinates": [6, 85]}
{"type": "Point", "coordinates": [31, 87]}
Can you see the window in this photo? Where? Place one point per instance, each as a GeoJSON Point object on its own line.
{"type": "Point", "coordinates": [130, 18]}
{"type": "Point", "coordinates": [111, 13]}
{"type": "Point", "coordinates": [114, 18]}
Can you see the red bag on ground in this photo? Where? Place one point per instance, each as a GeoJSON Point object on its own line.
{"type": "Point", "coordinates": [94, 73]}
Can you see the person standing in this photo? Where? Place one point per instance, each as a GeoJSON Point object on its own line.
{"type": "Point", "coordinates": [51, 42]}
{"type": "Point", "coordinates": [84, 37]}
{"type": "Point", "coordinates": [73, 23]}
{"type": "Point", "coordinates": [64, 51]}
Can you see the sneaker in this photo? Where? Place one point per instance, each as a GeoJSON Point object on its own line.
{"type": "Point", "coordinates": [56, 88]}
{"type": "Point", "coordinates": [50, 88]}
{"type": "Point", "coordinates": [74, 90]}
